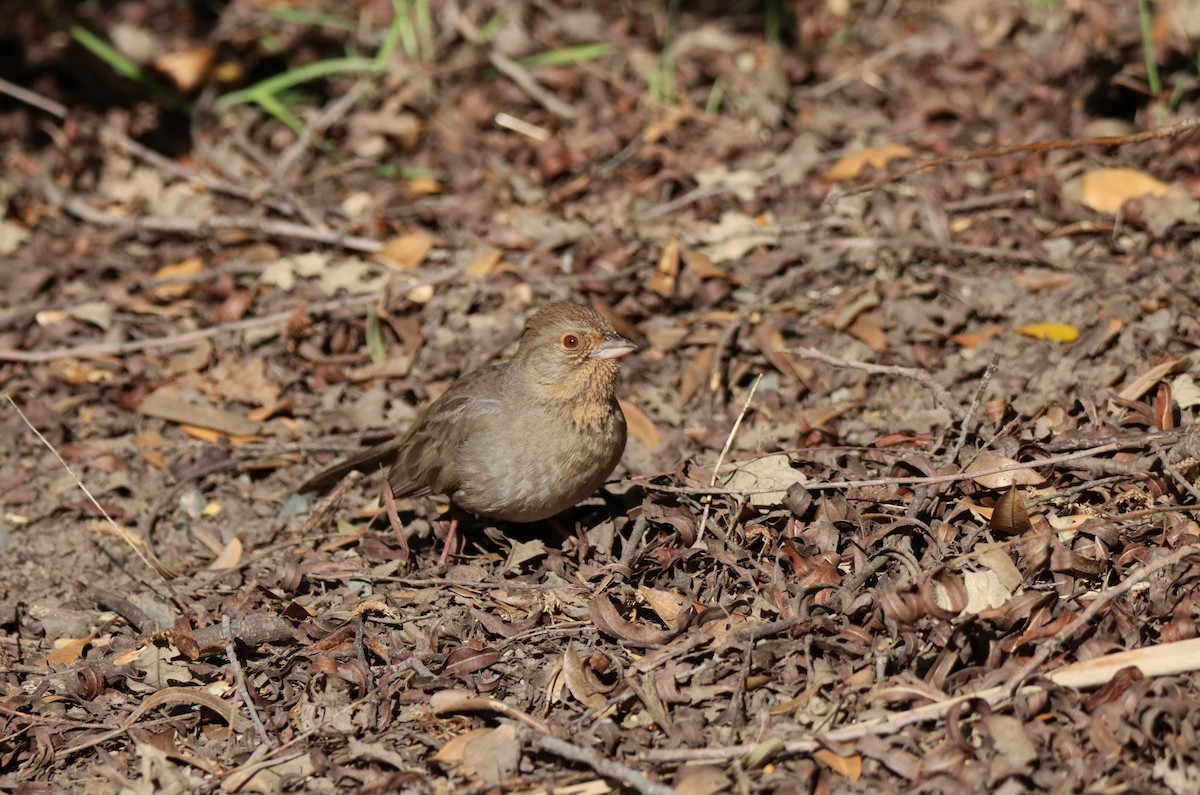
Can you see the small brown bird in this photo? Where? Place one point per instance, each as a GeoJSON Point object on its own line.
{"type": "Point", "coordinates": [520, 441]}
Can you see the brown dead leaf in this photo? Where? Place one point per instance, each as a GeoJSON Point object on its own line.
{"type": "Point", "coordinates": [1009, 516]}
{"type": "Point", "coordinates": [423, 186]}
{"type": "Point", "coordinates": [68, 651]}
{"type": "Point", "coordinates": [485, 262]}
{"type": "Point", "coordinates": [166, 404]}
{"type": "Point", "coordinates": [849, 766]}
{"type": "Point", "coordinates": [977, 338]}
{"type": "Point", "coordinates": [666, 604]}
{"type": "Point", "coordinates": [866, 329]}
{"type": "Point", "coordinates": [851, 166]}
{"type": "Point", "coordinates": [1142, 384]}
{"type": "Point", "coordinates": [699, 263]}
{"type": "Point", "coordinates": [454, 752]}
{"type": "Point", "coordinates": [151, 443]}
{"type": "Point", "coordinates": [641, 427]}
{"type": "Point", "coordinates": [406, 251]}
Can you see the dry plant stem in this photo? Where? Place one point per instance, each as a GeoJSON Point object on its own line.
{"type": "Point", "coordinates": [721, 459]}
{"type": "Point", "coordinates": [914, 481]}
{"type": "Point", "coordinates": [1037, 146]}
{"type": "Point", "coordinates": [914, 45]}
{"type": "Point", "coordinates": [524, 81]}
{"type": "Point", "coordinates": [203, 227]}
{"type": "Point", "coordinates": [184, 338]}
{"type": "Point", "coordinates": [922, 377]}
{"type": "Point", "coordinates": [939, 709]}
{"type": "Point", "coordinates": [331, 499]}
{"type": "Point", "coordinates": [335, 111]}
{"type": "Point", "coordinates": [492, 705]}
{"type": "Point", "coordinates": [123, 141]}
{"type": "Point", "coordinates": [120, 532]}
{"type": "Point", "coordinates": [240, 676]}
{"type": "Point", "coordinates": [605, 767]}
{"type": "Point", "coordinates": [964, 427]}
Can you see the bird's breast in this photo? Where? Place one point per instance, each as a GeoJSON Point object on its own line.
{"type": "Point", "coordinates": [537, 464]}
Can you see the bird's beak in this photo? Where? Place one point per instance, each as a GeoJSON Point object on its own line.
{"type": "Point", "coordinates": [613, 346]}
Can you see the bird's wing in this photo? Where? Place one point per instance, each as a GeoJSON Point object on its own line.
{"type": "Point", "coordinates": [427, 460]}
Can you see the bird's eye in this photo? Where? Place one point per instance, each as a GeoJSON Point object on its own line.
{"type": "Point", "coordinates": [570, 342]}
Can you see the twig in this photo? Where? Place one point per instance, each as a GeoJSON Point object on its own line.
{"type": "Point", "coordinates": [964, 427]}
{"type": "Point", "coordinates": [608, 768]}
{"type": "Point", "coordinates": [483, 704]}
{"type": "Point", "coordinates": [1036, 147]}
{"type": "Point", "coordinates": [519, 75]}
{"type": "Point", "coordinates": [205, 226]}
{"type": "Point", "coordinates": [922, 377]}
{"type": "Point", "coordinates": [646, 482]}
{"type": "Point", "coordinates": [119, 531]}
{"type": "Point", "coordinates": [139, 150]}
{"type": "Point", "coordinates": [721, 459]}
{"type": "Point", "coordinates": [322, 122]}
{"type": "Point", "coordinates": [331, 499]}
{"type": "Point", "coordinates": [240, 676]}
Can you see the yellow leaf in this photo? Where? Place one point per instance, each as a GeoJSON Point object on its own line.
{"type": "Point", "coordinates": [189, 267]}
{"type": "Point", "coordinates": [406, 251]}
{"type": "Point", "coordinates": [1107, 189]}
{"type": "Point", "coordinates": [1057, 332]}
{"type": "Point", "coordinates": [851, 166]}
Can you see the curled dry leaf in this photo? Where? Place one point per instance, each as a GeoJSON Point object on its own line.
{"type": "Point", "coordinates": [577, 683]}
{"type": "Point", "coordinates": [608, 620]}
{"type": "Point", "coordinates": [1009, 516]}
{"type": "Point", "coordinates": [983, 471]}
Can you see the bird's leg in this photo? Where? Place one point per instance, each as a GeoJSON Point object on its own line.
{"type": "Point", "coordinates": [456, 513]}
{"type": "Point", "coordinates": [570, 531]}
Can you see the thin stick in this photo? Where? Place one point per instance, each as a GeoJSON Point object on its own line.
{"type": "Point", "coordinates": [913, 481]}
{"type": "Point", "coordinates": [120, 532]}
{"type": "Point", "coordinates": [964, 430]}
{"type": "Point", "coordinates": [608, 768]}
{"type": "Point", "coordinates": [721, 459]}
{"type": "Point", "coordinates": [240, 676]}
{"type": "Point", "coordinates": [922, 377]}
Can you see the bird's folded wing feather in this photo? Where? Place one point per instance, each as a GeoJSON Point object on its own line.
{"type": "Point", "coordinates": [427, 460]}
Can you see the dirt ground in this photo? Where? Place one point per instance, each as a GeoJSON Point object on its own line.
{"type": "Point", "coordinates": [908, 503]}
